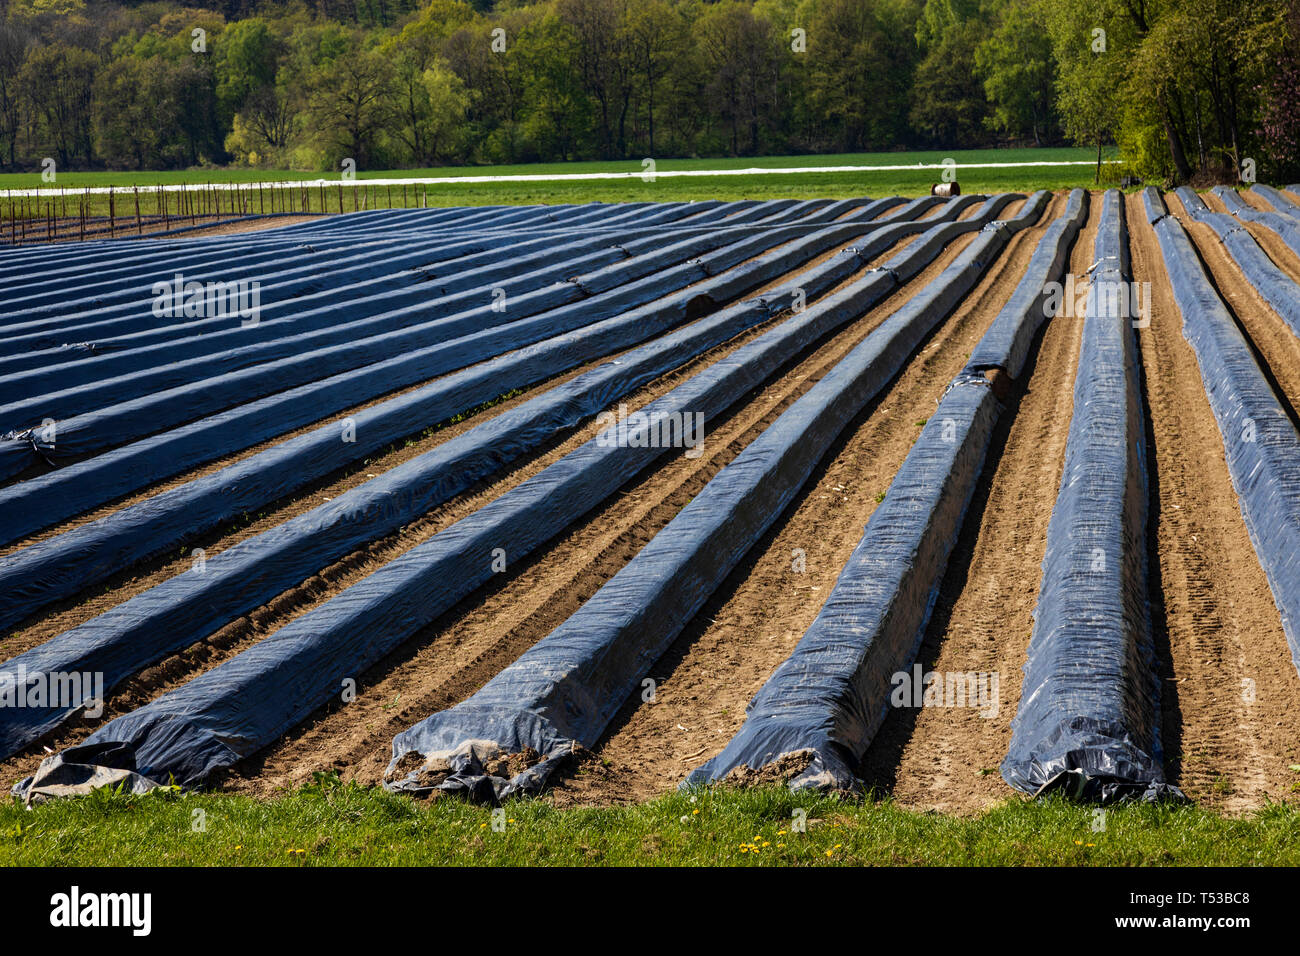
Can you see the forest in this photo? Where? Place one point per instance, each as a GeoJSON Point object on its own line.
{"type": "Point", "coordinates": [1191, 91]}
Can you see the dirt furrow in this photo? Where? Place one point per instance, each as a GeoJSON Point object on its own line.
{"type": "Point", "coordinates": [62, 615]}
{"type": "Point", "coordinates": [1229, 690]}
{"type": "Point", "coordinates": [453, 657]}
{"type": "Point", "coordinates": [1275, 343]}
{"type": "Point", "coordinates": [947, 758]}
{"type": "Point", "coordinates": [754, 621]}
{"type": "Point", "coordinates": [318, 589]}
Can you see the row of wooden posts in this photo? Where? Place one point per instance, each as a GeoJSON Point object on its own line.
{"type": "Point", "coordinates": [46, 218]}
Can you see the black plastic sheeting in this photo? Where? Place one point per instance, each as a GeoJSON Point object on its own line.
{"type": "Point", "coordinates": [44, 501]}
{"type": "Point", "coordinates": [173, 353]}
{"type": "Point", "coordinates": [120, 297]}
{"type": "Point", "coordinates": [1260, 442]}
{"type": "Point", "coordinates": [361, 275]}
{"type": "Point", "coordinates": [496, 226]}
{"type": "Point", "coordinates": [822, 707]}
{"type": "Point", "coordinates": [389, 261]}
{"type": "Point", "coordinates": [824, 704]}
{"type": "Point", "coordinates": [98, 415]}
{"type": "Point", "coordinates": [563, 692]}
{"type": "Point", "coordinates": [181, 610]}
{"type": "Point", "coordinates": [243, 704]}
{"type": "Point", "coordinates": [37, 297]}
{"type": "Point", "coordinates": [1276, 287]}
{"type": "Point", "coordinates": [1275, 199]}
{"type": "Point", "coordinates": [67, 563]}
{"type": "Point", "coordinates": [1088, 720]}
{"type": "Point", "coordinates": [1006, 343]}
{"type": "Point", "coordinates": [183, 351]}
{"type": "Point", "coordinates": [396, 362]}
{"type": "Point", "coordinates": [1285, 226]}
{"type": "Point", "coordinates": [414, 264]}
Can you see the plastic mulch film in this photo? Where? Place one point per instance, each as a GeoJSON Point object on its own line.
{"type": "Point", "coordinates": [1088, 720]}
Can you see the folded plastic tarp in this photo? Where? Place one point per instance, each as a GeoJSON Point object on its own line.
{"type": "Point", "coordinates": [1276, 287]}
{"type": "Point", "coordinates": [1087, 723]}
{"type": "Point", "coordinates": [238, 707]}
{"type": "Point", "coordinates": [818, 713]}
{"type": "Point", "coordinates": [1260, 443]}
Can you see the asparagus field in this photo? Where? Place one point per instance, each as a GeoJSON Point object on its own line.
{"type": "Point", "coordinates": [949, 498]}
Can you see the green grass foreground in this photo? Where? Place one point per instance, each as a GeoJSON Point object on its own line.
{"type": "Point", "coordinates": [331, 824]}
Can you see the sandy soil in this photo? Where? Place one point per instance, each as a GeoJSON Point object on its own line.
{"type": "Point", "coordinates": [946, 758]}
{"type": "Point", "coordinates": [753, 623]}
{"type": "Point", "coordinates": [1215, 622]}
{"type": "Point", "coordinates": [455, 656]}
{"type": "Point", "coordinates": [1214, 619]}
{"type": "Point", "coordinates": [240, 634]}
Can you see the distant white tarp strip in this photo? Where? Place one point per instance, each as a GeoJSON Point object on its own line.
{"type": "Point", "coordinates": [551, 177]}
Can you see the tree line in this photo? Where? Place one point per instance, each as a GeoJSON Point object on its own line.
{"type": "Point", "coordinates": [1189, 90]}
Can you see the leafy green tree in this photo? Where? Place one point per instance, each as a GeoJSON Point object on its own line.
{"type": "Point", "coordinates": [351, 100]}
{"type": "Point", "coordinates": [131, 96]}
{"type": "Point", "coordinates": [741, 55]}
{"type": "Point", "coordinates": [247, 59]}
{"type": "Point", "coordinates": [1019, 73]}
{"type": "Point", "coordinates": [558, 116]}
{"type": "Point", "coordinates": [657, 34]}
{"type": "Point", "coordinates": [14, 40]}
{"type": "Point", "coordinates": [57, 82]}
{"type": "Point", "coordinates": [949, 107]}
{"type": "Point", "coordinates": [857, 73]}
{"type": "Point", "coordinates": [1092, 57]}
{"type": "Point", "coordinates": [604, 64]}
